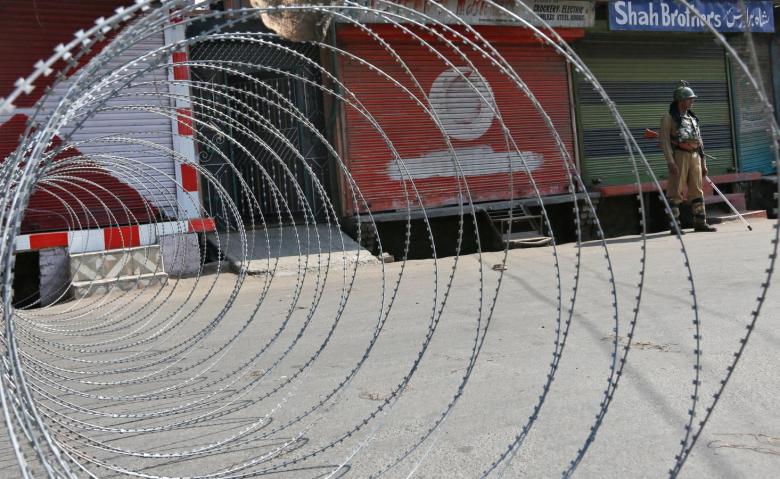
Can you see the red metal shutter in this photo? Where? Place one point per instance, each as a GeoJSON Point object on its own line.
{"type": "Point", "coordinates": [77, 197]}
{"type": "Point", "coordinates": [29, 31]}
{"type": "Point", "coordinates": [481, 145]}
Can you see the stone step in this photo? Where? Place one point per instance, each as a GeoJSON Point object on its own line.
{"type": "Point", "coordinates": [525, 239]}
{"type": "Point", "coordinates": [516, 218]}
{"type": "Point", "coordinates": [718, 211]}
{"type": "Point", "coordinates": [730, 216]}
{"type": "Point", "coordinates": [736, 199]}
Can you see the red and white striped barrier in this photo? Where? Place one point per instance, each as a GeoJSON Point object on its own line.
{"type": "Point", "coordinates": [183, 142]}
{"type": "Point", "coordinates": [103, 239]}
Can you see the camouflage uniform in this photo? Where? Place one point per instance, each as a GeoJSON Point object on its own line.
{"type": "Point", "coordinates": [682, 145]}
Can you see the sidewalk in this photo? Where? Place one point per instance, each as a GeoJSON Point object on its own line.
{"type": "Point", "coordinates": [286, 249]}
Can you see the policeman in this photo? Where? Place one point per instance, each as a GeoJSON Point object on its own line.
{"type": "Point", "coordinates": [683, 149]}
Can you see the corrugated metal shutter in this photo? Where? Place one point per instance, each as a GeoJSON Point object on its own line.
{"type": "Point", "coordinates": [31, 29]}
{"type": "Point", "coordinates": [639, 73]}
{"type": "Point", "coordinates": [157, 183]}
{"type": "Point", "coordinates": [147, 192]}
{"type": "Point", "coordinates": [754, 141]}
{"type": "Point", "coordinates": [483, 150]}
{"type": "Point", "coordinates": [774, 66]}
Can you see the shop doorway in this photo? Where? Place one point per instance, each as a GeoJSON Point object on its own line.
{"type": "Point", "coordinates": [260, 116]}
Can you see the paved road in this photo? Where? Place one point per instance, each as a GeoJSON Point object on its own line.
{"type": "Point", "coordinates": [287, 415]}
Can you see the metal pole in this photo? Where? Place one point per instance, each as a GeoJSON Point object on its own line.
{"type": "Point", "coordinates": [723, 197]}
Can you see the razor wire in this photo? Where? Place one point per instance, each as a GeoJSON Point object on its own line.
{"type": "Point", "coordinates": [156, 356]}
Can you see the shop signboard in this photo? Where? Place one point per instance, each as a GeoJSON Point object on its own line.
{"type": "Point", "coordinates": [673, 16]}
{"type": "Point", "coordinates": [555, 13]}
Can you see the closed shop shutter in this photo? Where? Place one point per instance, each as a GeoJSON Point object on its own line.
{"type": "Point", "coordinates": [752, 120]}
{"type": "Point", "coordinates": [31, 29]}
{"type": "Point", "coordinates": [146, 187]}
{"type": "Point", "coordinates": [144, 120]}
{"type": "Point", "coordinates": [483, 150]}
{"type": "Point", "coordinates": [639, 73]}
{"type": "Point", "coordinates": [774, 66]}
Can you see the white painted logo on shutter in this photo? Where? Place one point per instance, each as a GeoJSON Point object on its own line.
{"type": "Point", "coordinates": [465, 106]}
{"type": "Point", "coordinates": [464, 103]}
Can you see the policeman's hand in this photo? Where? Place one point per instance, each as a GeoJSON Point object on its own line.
{"type": "Point", "coordinates": [703, 171]}
{"type": "Point", "coordinates": [673, 168]}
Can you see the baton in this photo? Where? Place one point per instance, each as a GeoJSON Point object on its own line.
{"type": "Point", "coordinates": [654, 134]}
{"type": "Point", "coordinates": [723, 197]}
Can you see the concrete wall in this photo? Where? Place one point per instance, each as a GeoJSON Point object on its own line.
{"type": "Point", "coordinates": [181, 257]}
{"type": "Point", "coordinates": [54, 266]}
{"type": "Point", "coordinates": [181, 254]}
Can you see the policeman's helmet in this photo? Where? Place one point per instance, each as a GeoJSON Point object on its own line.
{"type": "Point", "coordinates": [683, 92]}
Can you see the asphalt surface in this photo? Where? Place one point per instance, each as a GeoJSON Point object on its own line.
{"type": "Point", "coordinates": [281, 404]}
{"type": "Point", "coordinates": [280, 249]}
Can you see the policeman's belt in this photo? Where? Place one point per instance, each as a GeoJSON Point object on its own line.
{"type": "Point", "coordinates": [685, 146]}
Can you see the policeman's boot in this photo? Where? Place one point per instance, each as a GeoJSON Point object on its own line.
{"type": "Point", "coordinates": [674, 226]}
{"type": "Point", "coordinates": [700, 217]}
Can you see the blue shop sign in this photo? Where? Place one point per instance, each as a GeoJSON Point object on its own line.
{"type": "Point", "coordinates": [672, 16]}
